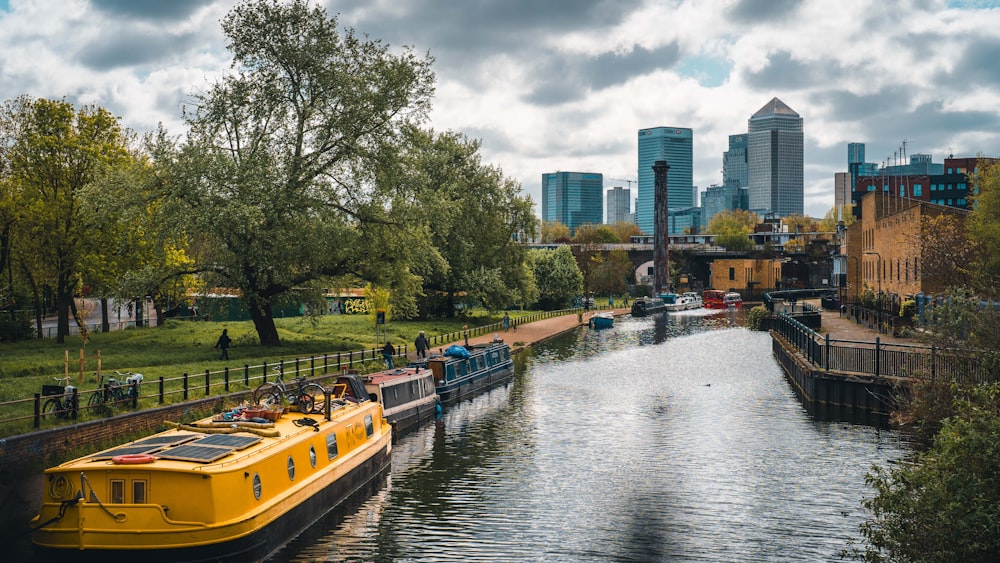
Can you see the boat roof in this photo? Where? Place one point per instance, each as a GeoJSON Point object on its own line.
{"type": "Point", "coordinates": [396, 373]}
{"type": "Point", "coordinates": [185, 448]}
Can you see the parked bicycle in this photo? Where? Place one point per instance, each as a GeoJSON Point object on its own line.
{"type": "Point", "coordinates": [303, 396]}
{"type": "Point", "coordinates": [125, 387]}
{"type": "Point", "coordinates": [63, 402]}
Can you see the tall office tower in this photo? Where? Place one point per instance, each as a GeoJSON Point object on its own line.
{"type": "Point", "coordinates": [734, 163]}
{"type": "Point", "coordinates": [674, 145]}
{"type": "Point", "coordinates": [573, 198]}
{"type": "Point", "coordinates": [619, 205]}
{"type": "Point", "coordinates": [774, 157]}
{"type": "Point", "coordinates": [855, 161]}
{"type": "Point", "coordinates": [841, 189]}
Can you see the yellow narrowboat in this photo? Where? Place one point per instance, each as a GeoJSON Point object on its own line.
{"type": "Point", "coordinates": [214, 492]}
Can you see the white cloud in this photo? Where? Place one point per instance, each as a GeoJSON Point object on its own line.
{"type": "Point", "coordinates": [566, 85]}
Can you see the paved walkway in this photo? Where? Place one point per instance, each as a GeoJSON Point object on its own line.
{"type": "Point", "coordinates": [842, 328]}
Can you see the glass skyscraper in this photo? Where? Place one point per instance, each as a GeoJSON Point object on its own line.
{"type": "Point", "coordinates": [675, 145]}
{"type": "Point", "coordinates": [619, 205]}
{"type": "Point", "coordinates": [735, 172]}
{"type": "Point", "coordinates": [573, 198]}
{"type": "Point", "coordinates": [774, 158]}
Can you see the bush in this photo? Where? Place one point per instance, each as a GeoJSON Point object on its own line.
{"type": "Point", "coordinates": [755, 317]}
{"type": "Point", "coordinates": [15, 326]}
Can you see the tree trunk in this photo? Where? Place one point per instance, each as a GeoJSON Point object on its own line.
{"type": "Point", "coordinates": [64, 302]}
{"type": "Point", "coordinates": [105, 323]}
{"type": "Point", "coordinates": [263, 321]}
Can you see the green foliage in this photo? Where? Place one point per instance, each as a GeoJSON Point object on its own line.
{"type": "Point", "coordinates": [943, 506]}
{"type": "Point", "coordinates": [907, 309]}
{"type": "Point", "coordinates": [756, 316]}
{"type": "Point", "coordinates": [609, 275]}
{"type": "Point", "coordinates": [984, 226]}
{"type": "Point", "coordinates": [474, 218]}
{"type": "Point", "coordinates": [554, 231]}
{"type": "Point", "coordinates": [279, 177]}
{"type": "Point", "coordinates": [558, 277]}
{"type": "Point", "coordinates": [595, 234]}
{"type": "Point", "coordinates": [15, 326]}
{"type": "Point", "coordinates": [732, 228]}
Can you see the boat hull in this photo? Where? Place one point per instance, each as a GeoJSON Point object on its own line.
{"type": "Point", "coordinates": [208, 511]}
{"type": "Point", "coordinates": [457, 391]}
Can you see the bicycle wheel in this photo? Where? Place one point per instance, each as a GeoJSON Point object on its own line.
{"type": "Point", "coordinates": [96, 400]}
{"type": "Point", "coordinates": [53, 408]}
{"type": "Point", "coordinates": [304, 403]}
{"type": "Point", "coordinates": [263, 391]}
{"type": "Point", "coordinates": [316, 395]}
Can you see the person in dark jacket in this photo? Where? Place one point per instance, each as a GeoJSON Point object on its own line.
{"type": "Point", "coordinates": [387, 353]}
{"type": "Point", "coordinates": [223, 343]}
{"type": "Point", "coordinates": [421, 345]}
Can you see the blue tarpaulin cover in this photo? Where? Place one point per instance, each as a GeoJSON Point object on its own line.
{"type": "Point", "coordinates": [456, 351]}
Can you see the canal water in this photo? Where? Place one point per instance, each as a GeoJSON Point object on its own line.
{"type": "Point", "coordinates": [674, 438]}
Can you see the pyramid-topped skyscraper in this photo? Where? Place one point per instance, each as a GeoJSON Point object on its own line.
{"type": "Point", "coordinates": [774, 160]}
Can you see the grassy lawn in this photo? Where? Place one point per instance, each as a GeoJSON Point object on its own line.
{"type": "Point", "coordinates": [187, 347]}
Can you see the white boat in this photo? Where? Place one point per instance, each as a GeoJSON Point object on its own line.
{"type": "Point", "coordinates": [674, 302]}
{"type": "Point", "coordinates": [696, 302]}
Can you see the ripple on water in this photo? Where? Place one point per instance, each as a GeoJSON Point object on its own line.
{"type": "Point", "coordinates": [673, 439]}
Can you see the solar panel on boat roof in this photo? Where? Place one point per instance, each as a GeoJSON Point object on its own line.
{"type": "Point", "coordinates": [169, 439]}
{"type": "Point", "coordinates": [191, 452]}
{"type": "Point", "coordinates": [128, 450]}
{"type": "Point", "coordinates": [233, 441]}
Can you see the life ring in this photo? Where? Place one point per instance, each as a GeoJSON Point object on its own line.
{"type": "Point", "coordinates": [133, 459]}
{"type": "Point", "coordinates": [59, 487]}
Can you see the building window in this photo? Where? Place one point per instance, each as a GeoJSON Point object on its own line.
{"type": "Point", "coordinates": [732, 273]}
{"type": "Point", "coordinates": [918, 190]}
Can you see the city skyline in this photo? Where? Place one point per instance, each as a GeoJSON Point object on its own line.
{"type": "Point", "coordinates": [520, 74]}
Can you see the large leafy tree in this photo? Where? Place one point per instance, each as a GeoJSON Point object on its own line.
{"type": "Point", "coordinates": [56, 153]}
{"type": "Point", "coordinates": [945, 505]}
{"type": "Point", "coordinates": [558, 277]}
{"type": "Point", "coordinates": [732, 228]}
{"type": "Point", "coordinates": [554, 231]}
{"type": "Point", "coordinates": [475, 218]}
{"type": "Point", "coordinates": [277, 177]}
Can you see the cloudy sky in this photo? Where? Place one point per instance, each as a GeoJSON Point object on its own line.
{"type": "Point", "coordinates": [553, 85]}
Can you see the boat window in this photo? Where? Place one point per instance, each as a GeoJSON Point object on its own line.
{"type": "Point", "coordinates": [258, 487]}
{"type": "Point", "coordinates": [451, 372]}
{"type": "Point", "coordinates": [331, 445]}
{"type": "Point", "coordinates": [118, 491]}
{"type": "Point", "coordinates": [312, 456]}
{"type": "Point", "coordinates": [369, 427]}
{"type": "Point", "coordinates": [139, 491]}
{"type": "Point", "coordinates": [463, 368]}
{"type": "Point", "coordinates": [291, 469]}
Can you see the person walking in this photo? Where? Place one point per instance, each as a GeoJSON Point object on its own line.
{"type": "Point", "coordinates": [387, 353]}
{"type": "Point", "coordinates": [223, 343]}
{"type": "Point", "coordinates": [421, 345]}
{"type": "Point", "coordinates": [506, 321]}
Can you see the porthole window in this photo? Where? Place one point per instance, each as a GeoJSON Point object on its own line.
{"type": "Point", "coordinates": [291, 469]}
{"type": "Point", "coordinates": [312, 456]}
{"type": "Point", "coordinates": [257, 488]}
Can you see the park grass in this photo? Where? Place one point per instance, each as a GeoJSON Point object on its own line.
{"type": "Point", "coordinates": [180, 347]}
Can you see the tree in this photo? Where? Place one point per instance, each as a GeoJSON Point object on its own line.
{"type": "Point", "coordinates": [475, 219]}
{"type": "Point", "coordinates": [609, 274]}
{"type": "Point", "coordinates": [625, 231]}
{"type": "Point", "coordinates": [833, 217]}
{"type": "Point", "coordinates": [595, 234]}
{"type": "Point", "coordinates": [984, 226]}
{"type": "Point", "coordinates": [57, 152]}
{"type": "Point", "coordinates": [558, 277]}
{"type": "Point", "coordinates": [554, 231]}
{"type": "Point", "coordinates": [948, 257]}
{"type": "Point", "coordinates": [278, 175]}
{"type": "Point", "coordinates": [944, 505]}
{"type": "Point", "coordinates": [732, 228]}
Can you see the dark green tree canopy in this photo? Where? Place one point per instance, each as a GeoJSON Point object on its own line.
{"type": "Point", "coordinates": [278, 174]}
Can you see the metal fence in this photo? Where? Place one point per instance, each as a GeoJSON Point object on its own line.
{"type": "Point", "coordinates": [27, 413]}
{"type": "Point", "coordinates": [882, 359]}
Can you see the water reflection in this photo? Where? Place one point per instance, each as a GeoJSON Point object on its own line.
{"type": "Point", "coordinates": [670, 438]}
